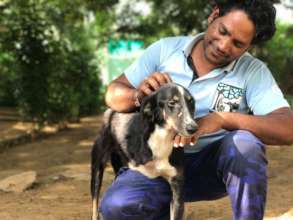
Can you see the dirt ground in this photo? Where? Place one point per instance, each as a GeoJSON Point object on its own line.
{"type": "Point", "coordinates": [62, 188]}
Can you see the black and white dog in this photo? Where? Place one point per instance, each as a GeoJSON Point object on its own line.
{"type": "Point", "coordinates": [143, 141]}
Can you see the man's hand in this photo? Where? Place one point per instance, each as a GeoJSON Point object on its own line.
{"type": "Point", "coordinates": [120, 91]}
{"type": "Point", "coordinates": [153, 83]}
{"type": "Point", "coordinates": [213, 122]}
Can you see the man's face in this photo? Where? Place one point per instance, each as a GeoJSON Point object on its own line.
{"type": "Point", "coordinates": [227, 37]}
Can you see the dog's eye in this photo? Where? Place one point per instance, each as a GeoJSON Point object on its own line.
{"type": "Point", "coordinates": [171, 103]}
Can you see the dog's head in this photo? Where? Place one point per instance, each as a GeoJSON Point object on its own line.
{"type": "Point", "coordinates": [171, 107]}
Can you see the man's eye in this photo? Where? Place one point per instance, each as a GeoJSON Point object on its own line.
{"type": "Point", "coordinates": [222, 31]}
{"type": "Point", "coordinates": [238, 45]}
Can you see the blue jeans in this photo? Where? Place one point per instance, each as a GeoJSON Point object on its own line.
{"type": "Point", "coordinates": [234, 166]}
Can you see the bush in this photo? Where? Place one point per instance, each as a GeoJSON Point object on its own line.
{"type": "Point", "coordinates": [7, 80]}
{"type": "Point", "coordinates": [278, 54]}
{"type": "Point", "coordinates": [54, 71]}
{"type": "Point", "coordinates": [75, 88]}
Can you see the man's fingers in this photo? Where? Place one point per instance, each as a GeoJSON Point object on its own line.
{"type": "Point", "coordinates": [184, 141]}
{"type": "Point", "coordinates": [181, 141]}
{"type": "Point", "coordinates": [162, 78]}
{"type": "Point", "coordinates": [176, 141]}
{"type": "Point", "coordinates": [167, 77]}
{"type": "Point", "coordinates": [196, 136]}
{"type": "Point", "coordinates": [193, 140]}
{"type": "Point", "coordinates": [145, 89]}
{"type": "Point", "coordinates": [155, 85]}
{"type": "Point", "coordinates": [154, 82]}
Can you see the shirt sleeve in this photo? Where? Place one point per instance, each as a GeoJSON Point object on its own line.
{"type": "Point", "coordinates": [262, 92]}
{"type": "Point", "coordinates": [145, 65]}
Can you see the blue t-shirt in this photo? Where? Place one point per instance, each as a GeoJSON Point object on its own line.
{"type": "Point", "coordinates": [242, 86]}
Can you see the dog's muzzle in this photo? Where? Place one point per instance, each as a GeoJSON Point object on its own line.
{"type": "Point", "coordinates": [191, 128]}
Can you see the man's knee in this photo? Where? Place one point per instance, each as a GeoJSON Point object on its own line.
{"type": "Point", "coordinates": [118, 206]}
{"type": "Point", "coordinates": [243, 166]}
{"type": "Point", "coordinates": [241, 151]}
{"type": "Point", "coordinates": [133, 196]}
{"type": "Point", "coordinates": [244, 144]}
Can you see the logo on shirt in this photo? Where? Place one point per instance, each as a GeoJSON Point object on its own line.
{"type": "Point", "coordinates": [227, 98]}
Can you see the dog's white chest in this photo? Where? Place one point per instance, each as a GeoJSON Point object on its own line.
{"type": "Point", "coordinates": [161, 144]}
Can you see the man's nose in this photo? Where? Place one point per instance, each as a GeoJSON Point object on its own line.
{"type": "Point", "coordinates": [224, 46]}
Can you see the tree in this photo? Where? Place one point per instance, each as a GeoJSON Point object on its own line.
{"type": "Point", "coordinates": [165, 18]}
{"type": "Point", "coordinates": [54, 62]}
{"type": "Point", "coordinates": [278, 54]}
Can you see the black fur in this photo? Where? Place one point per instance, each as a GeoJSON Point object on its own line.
{"type": "Point", "coordinates": [124, 138]}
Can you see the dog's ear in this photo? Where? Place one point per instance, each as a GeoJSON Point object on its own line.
{"type": "Point", "coordinates": [148, 106]}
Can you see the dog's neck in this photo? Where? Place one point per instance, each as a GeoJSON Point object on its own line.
{"type": "Point", "coordinates": [161, 142]}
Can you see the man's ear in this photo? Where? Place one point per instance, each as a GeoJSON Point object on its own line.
{"type": "Point", "coordinates": [215, 14]}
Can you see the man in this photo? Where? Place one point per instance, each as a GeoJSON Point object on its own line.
{"type": "Point", "coordinates": [239, 109]}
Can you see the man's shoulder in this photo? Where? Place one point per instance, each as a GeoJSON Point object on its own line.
{"type": "Point", "coordinates": [175, 42]}
{"type": "Point", "coordinates": [171, 45]}
{"type": "Point", "coordinates": [250, 62]}
{"type": "Point", "coordinates": [250, 68]}
{"type": "Point", "coordinates": [179, 39]}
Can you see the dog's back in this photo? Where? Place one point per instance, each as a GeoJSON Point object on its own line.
{"type": "Point", "coordinates": [113, 143]}
{"type": "Point", "coordinates": [108, 144]}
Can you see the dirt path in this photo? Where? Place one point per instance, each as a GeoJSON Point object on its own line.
{"type": "Point", "coordinates": [55, 197]}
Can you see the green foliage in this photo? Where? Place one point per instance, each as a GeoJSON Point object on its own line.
{"type": "Point", "coordinates": [165, 18]}
{"type": "Point", "coordinates": [103, 23]}
{"type": "Point", "coordinates": [172, 17]}
{"type": "Point", "coordinates": [54, 67]}
{"type": "Point", "coordinates": [7, 79]}
{"type": "Point", "coordinates": [31, 41]}
{"type": "Point", "coordinates": [75, 89]}
{"type": "Point", "coordinates": [48, 64]}
{"type": "Point", "coordinates": [278, 54]}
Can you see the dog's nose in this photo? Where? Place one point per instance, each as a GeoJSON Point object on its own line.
{"type": "Point", "coordinates": [191, 128]}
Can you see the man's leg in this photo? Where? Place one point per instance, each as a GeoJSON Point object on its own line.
{"type": "Point", "coordinates": [235, 165]}
{"type": "Point", "coordinates": [132, 196]}
{"type": "Point", "coordinates": [243, 165]}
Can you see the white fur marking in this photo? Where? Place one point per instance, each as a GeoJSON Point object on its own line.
{"type": "Point", "coordinates": [161, 144]}
{"type": "Point", "coordinates": [95, 205]}
{"type": "Point", "coordinates": [188, 119]}
{"type": "Point", "coordinates": [181, 90]}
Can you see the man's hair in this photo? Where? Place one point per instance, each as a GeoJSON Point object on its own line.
{"type": "Point", "coordinates": [261, 12]}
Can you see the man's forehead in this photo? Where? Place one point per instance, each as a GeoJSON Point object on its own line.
{"type": "Point", "coordinates": [238, 24]}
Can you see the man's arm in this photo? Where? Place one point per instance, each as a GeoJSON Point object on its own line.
{"type": "Point", "coordinates": [121, 96]}
{"type": "Point", "coordinates": [273, 128]}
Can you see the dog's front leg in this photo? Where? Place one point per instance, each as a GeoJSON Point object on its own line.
{"type": "Point", "coordinates": [177, 203]}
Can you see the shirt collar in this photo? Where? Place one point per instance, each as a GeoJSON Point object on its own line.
{"type": "Point", "coordinates": [228, 68]}
{"type": "Point", "coordinates": [190, 44]}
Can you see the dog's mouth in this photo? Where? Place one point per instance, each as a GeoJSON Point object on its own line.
{"type": "Point", "coordinates": [187, 133]}
{"type": "Point", "coordinates": [186, 130]}
{"type": "Point", "coordinates": [191, 128]}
